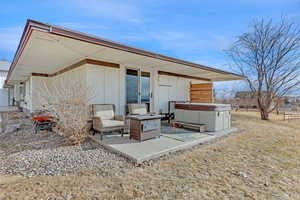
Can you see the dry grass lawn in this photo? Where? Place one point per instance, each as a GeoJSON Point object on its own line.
{"type": "Point", "coordinates": [262, 162]}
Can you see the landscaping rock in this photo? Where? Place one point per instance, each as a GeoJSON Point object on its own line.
{"type": "Point", "coordinates": [243, 174]}
{"type": "Point", "coordinates": [22, 152]}
{"type": "Point", "coordinates": [60, 161]}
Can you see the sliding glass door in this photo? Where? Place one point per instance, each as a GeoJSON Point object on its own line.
{"type": "Point", "coordinates": [132, 86]}
{"type": "Point", "coordinates": [138, 87]}
{"type": "Point", "coordinates": [145, 87]}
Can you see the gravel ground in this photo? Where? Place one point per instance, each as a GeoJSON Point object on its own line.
{"type": "Point", "coordinates": [261, 163]}
{"type": "Point", "coordinates": [28, 154]}
{"type": "Point", "coordinates": [62, 161]}
{"type": "Point", "coordinates": [25, 139]}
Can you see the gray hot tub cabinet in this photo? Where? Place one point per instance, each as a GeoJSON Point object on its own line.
{"type": "Point", "coordinates": [216, 116]}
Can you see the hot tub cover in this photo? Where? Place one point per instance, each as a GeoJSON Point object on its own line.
{"type": "Point", "coordinates": [203, 106]}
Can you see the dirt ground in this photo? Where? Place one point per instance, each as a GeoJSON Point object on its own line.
{"type": "Point", "coordinates": [261, 162]}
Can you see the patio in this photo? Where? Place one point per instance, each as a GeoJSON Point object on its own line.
{"type": "Point", "coordinates": [171, 140]}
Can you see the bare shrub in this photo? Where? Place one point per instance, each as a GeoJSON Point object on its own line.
{"type": "Point", "coordinates": [67, 101]}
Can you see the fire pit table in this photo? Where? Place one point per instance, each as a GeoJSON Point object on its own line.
{"type": "Point", "coordinates": [144, 127]}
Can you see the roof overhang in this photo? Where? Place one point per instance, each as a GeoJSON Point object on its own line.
{"type": "Point", "coordinates": [46, 49]}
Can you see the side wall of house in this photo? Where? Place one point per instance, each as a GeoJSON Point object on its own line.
{"type": "Point", "coordinates": [27, 103]}
{"type": "Point", "coordinates": [106, 83]}
{"type": "Point", "coordinates": [17, 91]}
{"type": "Point", "coordinates": [36, 90]}
{"type": "Point", "coordinates": [171, 88]}
{"type": "Point", "coordinates": [108, 86]}
{"type": "Point", "coordinates": [38, 84]}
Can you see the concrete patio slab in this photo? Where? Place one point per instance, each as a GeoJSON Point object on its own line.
{"type": "Point", "coordinates": [150, 149]}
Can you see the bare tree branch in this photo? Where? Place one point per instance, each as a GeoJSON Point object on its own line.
{"type": "Point", "coordinates": [269, 57]}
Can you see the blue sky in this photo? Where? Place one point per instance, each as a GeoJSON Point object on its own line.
{"type": "Point", "coordinates": [192, 30]}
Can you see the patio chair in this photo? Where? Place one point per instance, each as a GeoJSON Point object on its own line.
{"type": "Point", "coordinates": [137, 109]}
{"type": "Point", "coordinates": [105, 120]}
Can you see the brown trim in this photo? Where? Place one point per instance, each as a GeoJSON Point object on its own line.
{"type": "Point", "coordinates": [73, 66]}
{"type": "Point", "coordinates": [2, 70]}
{"type": "Point", "coordinates": [32, 24]}
{"type": "Point", "coordinates": [29, 27]}
{"type": "Point", "coordinates": [102, 63]}
{"type": "Point", "coordinates": [40, 74]}
{"type": "Point", "coordinates": [182, 76]}
{"type": "Point", "coordinates": [195, 107]}
{"type": "Point", "coordinates": [21, 47]}
{"type": "Point", "coordinates": [78, 64]}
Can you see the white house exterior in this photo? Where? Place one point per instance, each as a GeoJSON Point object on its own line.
{"type": "Point", "coordinates": [4, 66]}
{"type": "Point", "coordinates": [118, 74]}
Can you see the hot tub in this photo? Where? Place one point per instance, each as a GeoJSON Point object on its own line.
{"type": "Point", "coordinates": [216, 116]}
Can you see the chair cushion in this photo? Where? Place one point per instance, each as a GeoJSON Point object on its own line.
{"type": "Point", "coordinates": [112, 123]}
{"type": "Point", "coordinates": [137, 109]}
{"type": "Point", "coordinates": [105, 112]}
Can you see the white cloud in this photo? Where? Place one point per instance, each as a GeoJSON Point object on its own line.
{"type": "Point", "coordinates": [9, 38]}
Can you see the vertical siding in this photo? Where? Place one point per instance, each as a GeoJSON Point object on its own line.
{"type": "Point", "coordinates": [11, 95]}
{"type": "Point", "coordinates": [37, 84]}
{"type": "Point", "coordinates": [77, 74]}
{"type": "Point", "coordinates": [155, 91]}
{"type": "Point", "coordinates": [27, 99]}
{"type": "Point", "coordinates": [106, 84]}
{"type": "Point", "coordinates": [16, 92]}
{"type": "Point", "coordinates": [172, 89]}
{"type": "Point", "coordinates": [122, 88]}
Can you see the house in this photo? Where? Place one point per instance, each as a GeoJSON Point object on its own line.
{"type": "Point", "coordinates": [246, 99]}
{"type": "Point", "coordinates": [120, 74]}
{"type": "Point", "coordinates": [4, 66]}
{"type": "Point", "coordinates": [292, 99]}
{"type": "Point", "coordinates": [4, 96]}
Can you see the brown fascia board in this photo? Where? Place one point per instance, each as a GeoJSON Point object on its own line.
{"type": "Point", "coordinates": [32, 24]}
{"type": "Point", "coordinates": [29, 26]}
{"type": "Point", "coordinates": [183, 76]}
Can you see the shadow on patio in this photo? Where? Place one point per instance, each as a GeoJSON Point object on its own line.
{"type": "Point", "coordinates": [172, 139]}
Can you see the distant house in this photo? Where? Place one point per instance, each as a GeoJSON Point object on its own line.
{"type": "Point", "coordinates": [292, 99]}
{"type": "Point", "coordinates": [246, 99]}
{"type": "Point", "coordinates": [290, 103]}
{"type": "Point", "coordinates": [4, 66]}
